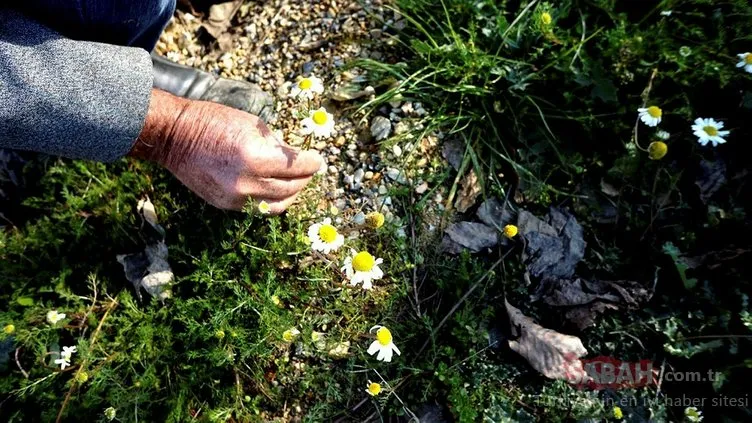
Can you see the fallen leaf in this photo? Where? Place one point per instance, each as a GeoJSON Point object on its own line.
{"type": "Point", "coordinates": [220, 17]}
{"type": "Point", "coordinates": [551, 353]}
{"type": "Point", "coordinates": [590, 298]}
{"type": "Point", "coordinates": [149, 270]}
{"type": "Point", "coordinates": [472, 236]}
{"type": "Point", "coordinates": [469, 192]}
{"type": "Point", "coordinates": [453, 150]}
{"type": "Point", "coordinates": [554, 246]}
{"type": "Point", "coordinates": [493, 213]}
{"type": "Point", "coordinates": [715, 259]}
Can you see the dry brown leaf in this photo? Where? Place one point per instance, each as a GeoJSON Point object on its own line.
{"type": "Point", "coordinates": [472, 236]}
{"type": "Point", "coordinates": [469, 192]}
{"type": "Point", "coordinates": [551, 353]}
{"type": "Point", "coordinates": [220, 18]}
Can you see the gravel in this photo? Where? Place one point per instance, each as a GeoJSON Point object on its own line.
{"type": "Point", "coordinates": [275, 42]}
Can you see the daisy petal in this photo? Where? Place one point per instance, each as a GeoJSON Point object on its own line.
{"type": "Point", "coordinates": [373, 348]}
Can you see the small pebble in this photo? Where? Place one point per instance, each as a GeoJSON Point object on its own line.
{"type": "Point", "coordinates": [392, 173]}
{"type": "Point", "coordinates": [358, 175]}
{"type": "Point", "coordinates": [381, 127]}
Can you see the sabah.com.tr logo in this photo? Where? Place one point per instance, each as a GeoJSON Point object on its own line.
{"type": "Point", "coordinates": [609, 373]}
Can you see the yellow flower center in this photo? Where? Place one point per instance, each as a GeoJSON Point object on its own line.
{"type": "Point", "coordinates": [384, 336]}
{"type": "Point", "coordinates": [374, 388]}
{"type": "Point", "coordinates": [710, 130]}
{"type": "Point", "coordinates": [290, 334]}
{"type": "Point", "coordinates": [655, 111]}
{"type": "Point", "coordinates": [305, 84]}
{"type": "Point", "coordinates": [327, 233]}
{"type": "Point", "coordinates": [363, 262]}
{"type": "Point", "coordinates": [748, 59]}
{"type": "Point", "coordinates": [320, 117]}
{"type": "Point", "coordinates": [546, 18]}
{"type": "Point", "coordinates": [657, 149]}
{"type": "Point", "coordinates": [82, 377]}
{"type": "Point", "coordinates": [375, 220]}
{"type": "Point", "coordinates": [510, 231]}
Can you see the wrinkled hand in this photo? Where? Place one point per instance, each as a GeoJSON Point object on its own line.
{"type": "Point", "coordinates": [222, 154]}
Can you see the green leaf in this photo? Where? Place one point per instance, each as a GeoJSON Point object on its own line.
{"type": "Point", "coordinates": [25, 301]}
{"type": "Point", "coordinates": [670, 249]}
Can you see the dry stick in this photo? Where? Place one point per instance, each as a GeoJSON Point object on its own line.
{"type": "Point", "coordinates": [415, 268]}
{"type": "Point", "coordinates": [18, 363]}
{"type": "Point", "coordinates": [461, 300]}
{"type": "Point", "coordinates": [83, 364]}
{"type": "Point", "coordinates": [645, 95]}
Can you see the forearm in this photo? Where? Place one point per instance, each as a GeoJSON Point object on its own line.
{"type": "Point", "coordinates": [70, 98]}
{"type": "Point", "coordinates": [155, 140]}
{"type": "Point", "coordinates": [176, 129]}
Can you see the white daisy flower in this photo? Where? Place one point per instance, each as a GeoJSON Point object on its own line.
{"type": "Point", "coordinates": [68, 352]}
{"type": "Point", "coordinates": [320, 123]}
{"type": "Point", "coordinates": [650, 116]}
{"type": "Point", "coordinates": [63, 363]}
{"type": "Point", "coordinates": [383, 344]}
{"type": "Point", "coordinates": [362, 267]}
{"type": "Point", "coordinates": [693, 414]}
{"type": "Point", "coordinates": [307, 87]}
{"type": "Point", "coordinates": [708, 130]}
{"type": "Point", "coordinates": [324, 237]}
{"type": "Point", "coordinates": [264, 208]}
{"type": "Point", "coordinates": [65, 357]}
{"type": "Point", "coordinates": [745, 61]}
{"type": "Point", "coordinates": [53, 317]}
{"type": "Point", "coordinates": [373, 388]}
{"type": "Point", "coordinates": [290, 334]}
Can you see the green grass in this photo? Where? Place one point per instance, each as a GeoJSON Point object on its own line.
{"type": "Point", "coordinates": [547, 112]}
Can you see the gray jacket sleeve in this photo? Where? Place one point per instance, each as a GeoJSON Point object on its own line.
{"type": "Point", "coordinates": [76, 99]}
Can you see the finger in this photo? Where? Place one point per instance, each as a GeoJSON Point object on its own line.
{"type": "Point", "coordinates": [278, 206]}
{"type": "Point", "coordinates": [290, 162]}
{"type": "Point", "coordinates": [272, 188]}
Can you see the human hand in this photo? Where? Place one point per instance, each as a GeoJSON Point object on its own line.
{"type": "Point", "coordinates": [222, 154]}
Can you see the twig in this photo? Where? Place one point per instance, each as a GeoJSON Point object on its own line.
{"type": "Point", "coordinates": [18, 363]}
{"type": "Point", "coordinates": [645, 95]}
{"type": "Point", "coordinates": [660, 378]}
{"type": "Point", "coordinates": [415, 269]}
